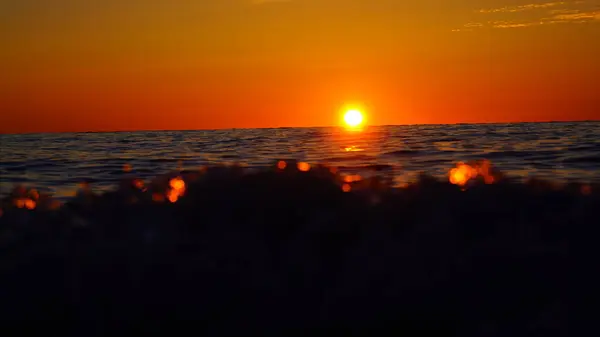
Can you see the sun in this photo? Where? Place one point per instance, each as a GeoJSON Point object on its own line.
{"type": "Point", "coordinates": [353, 118]}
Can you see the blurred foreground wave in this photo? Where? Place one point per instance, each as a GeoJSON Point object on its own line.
{"type": "Point", "coordinates": [292, 248]}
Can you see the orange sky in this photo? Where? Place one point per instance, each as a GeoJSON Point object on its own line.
{"type": "Point", "coordinates": [94, 65]}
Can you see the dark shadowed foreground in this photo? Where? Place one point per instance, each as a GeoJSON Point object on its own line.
{"type": "Point", "coordinates": [292, 250]}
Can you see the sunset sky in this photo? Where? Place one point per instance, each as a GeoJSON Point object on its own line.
{"type": "Point", "coordinates": [94, 65]}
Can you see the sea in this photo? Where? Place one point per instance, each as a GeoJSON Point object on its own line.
{"type": "Point", "coordinates": [57, 162]}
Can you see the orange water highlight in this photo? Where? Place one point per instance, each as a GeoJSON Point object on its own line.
{"type": "Point", "coordinates": [25, 203]}
{"type": "Point", "coordinates": [30, 204]}
{"type": "Point", "coordinates": [20, 203]}
{"type": "Point", "coordinates": [177, 189]}
{"type": "Point", "coordinates": [352, 178]}
{"type": "Point", "coordinates": [139, 184]}
{"type": "Point", "coordinates": [353, 148]}
{"type": "Point", "coordinates": [177, 184]}
{"type": "Point", "coordinates": [304, 167]}
{"type": "Point", "coordinates": [173, 196]}
{"type": "Point", "coordinates": [462, 173]}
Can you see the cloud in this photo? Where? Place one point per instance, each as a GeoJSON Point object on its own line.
{"type": "Point", "coordinates": [545, 14]}
{"type": "Point", "coordinates": [594, 15]}
{"type": "Point", "coordinates": [564, 11]}
{"type": "Point", "coordinates": [521, 8]}
{"type": "Point", "coordinates": [508, 24]}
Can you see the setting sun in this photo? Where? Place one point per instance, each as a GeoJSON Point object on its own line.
{"type": "Point", "coordinates": [353, 118]}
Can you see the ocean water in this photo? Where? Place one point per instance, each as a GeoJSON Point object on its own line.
{"type": "Point", "coordinates": [56, 163]}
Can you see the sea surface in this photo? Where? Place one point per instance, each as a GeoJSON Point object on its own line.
{"type": "Point", "coordinates": [56, 163]}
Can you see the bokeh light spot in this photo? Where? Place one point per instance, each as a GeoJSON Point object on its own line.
{"type": "Point", "coordinates": [139, 184]}
{"type": "Point", "coordinates": [177, 189]}
{"type": "Point", "coordinates": [304, 167]}
{"type": "Point", "coordinates": [157, 197]}
{"type": "Point", "coordinates": [30, 204]}
{"type": "Point", "coordinates": [34, 194]}
{"type": "Point", "coordinates": [352, 178]}
{"type": "Point", "coordinates": [20, 203]}
{"type": "Point", "coordinates": [173, 196]}
{"type": "Point", "coordinates": [462, 173]}
{"type": "Point", "coordinates": [177, 184]}
{"type": "Point", "coordinates": [586, 190]}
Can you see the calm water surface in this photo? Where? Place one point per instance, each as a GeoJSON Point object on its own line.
{"type": "Point", "coordinates": [57, 162]}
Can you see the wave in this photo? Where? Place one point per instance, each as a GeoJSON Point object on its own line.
{"type": "Point", "coordinates": [267, 252]}
{"type": "Point", "coordinates": [594, 159]}
{"type": "Point", "coordinates": [230, 156]}
{"type": "Point", "coordinates": [367, 168]}
{"type": "Point", "coordinates": [520, 154]}
{"type": "Point", "coordinates": [403, 153]}
{"type": "Point", "coordinates": [446, 140]}
{"type": "Point", "coordinates": [414, 148]}
{"type": "Point", "coordinates": [356, 157]}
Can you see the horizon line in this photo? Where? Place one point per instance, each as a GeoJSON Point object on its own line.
{"type": "Point", "coordinates": [296, 127]}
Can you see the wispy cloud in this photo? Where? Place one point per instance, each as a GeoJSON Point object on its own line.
{"type": "Point", "coordinates": [545, 14]}
{"type": "Point", "coordinates": [522, 8]}
{"type": "Point", "coordinates": [508, 24]}
{"type": "Point", "coordinates": [594, 15]}
{"type": "Point", "coordinates": [564, 11]}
